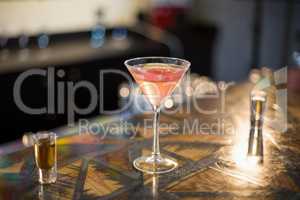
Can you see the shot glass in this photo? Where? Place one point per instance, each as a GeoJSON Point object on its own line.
{"type": "Point", "coordinates": [45, 156]}
{"type": "Point", "coordinates": [258, 100]}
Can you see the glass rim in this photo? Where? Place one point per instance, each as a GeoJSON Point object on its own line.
{"type": "Point", "coordinates": [186, 63]}
{"type": "Point", "coordinates": [47, 134]}
{"type": "Point", "coordinates": [258, 95]}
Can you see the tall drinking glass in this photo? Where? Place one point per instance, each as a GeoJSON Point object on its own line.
{"type": "Point", "coordinates": [258, 100]}
{"type": "Point", "coordinates": [157, 77]}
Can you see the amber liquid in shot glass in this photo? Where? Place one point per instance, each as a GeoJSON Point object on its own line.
{"type": "Point", "coordinates": [45, 157]}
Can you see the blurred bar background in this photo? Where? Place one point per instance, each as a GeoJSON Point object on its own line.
{"type": "Point", "coordinates": [224, 40]}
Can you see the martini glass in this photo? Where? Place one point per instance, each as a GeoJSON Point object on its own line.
{"type": "Point", "coordinates": [157, 77]}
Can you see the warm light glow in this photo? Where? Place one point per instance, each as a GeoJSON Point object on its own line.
{"type": "Point", "coordinates": [27, 139]}
{"type": "Point", "coordinates": [245, 163]}
{"type": "Point", "coordinates": [124, 92]}
{"type": "Point", "coordinates": [169, 103]}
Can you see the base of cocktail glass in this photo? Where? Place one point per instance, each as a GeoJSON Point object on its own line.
{"type": "Point", "coordinates": [155, 164]}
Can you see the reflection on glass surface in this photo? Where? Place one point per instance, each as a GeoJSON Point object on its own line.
{"type": "Point", "coordinates": [155, 184]}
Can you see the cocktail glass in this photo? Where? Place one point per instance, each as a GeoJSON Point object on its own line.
{"type": "Point", "coordinates": [157, 77]}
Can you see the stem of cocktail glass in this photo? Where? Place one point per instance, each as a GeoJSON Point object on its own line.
{"type": "Point", "coordinates": [155, 147]}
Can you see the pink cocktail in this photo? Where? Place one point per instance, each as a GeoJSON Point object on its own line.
{"type": "Point", "coordinates": [157, 81]}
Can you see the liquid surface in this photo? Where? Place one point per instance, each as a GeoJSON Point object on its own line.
{"type": "Point", "coordinates": [157, 81]}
